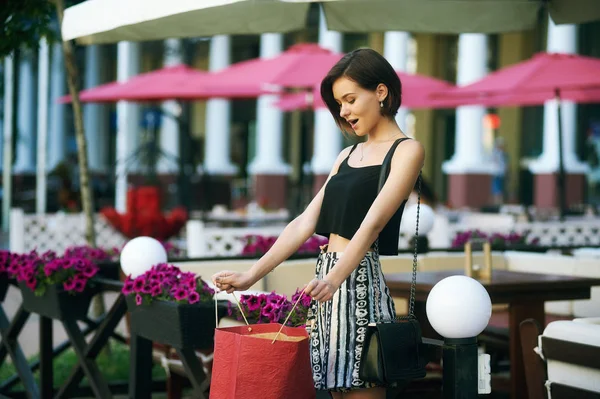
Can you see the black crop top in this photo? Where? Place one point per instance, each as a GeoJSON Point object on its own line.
{"type": "Point", "coordinates": [348, 197]}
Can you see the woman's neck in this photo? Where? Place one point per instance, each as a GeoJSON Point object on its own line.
{"type": "Point", "coordinates": [386, 130]}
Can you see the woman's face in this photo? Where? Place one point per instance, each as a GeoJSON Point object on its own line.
{"type": "Point", "coordinates": [358, 106]}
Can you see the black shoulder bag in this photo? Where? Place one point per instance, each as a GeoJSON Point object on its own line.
{"type": "Point", "coordinates": [392, 351]}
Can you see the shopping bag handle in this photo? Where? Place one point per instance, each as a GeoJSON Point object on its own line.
{"type": "Point", "coordinates": [288, 316]}
{"type": "Point", "coordinates": [246, 320]}
{"type": "Point", "coordinates": [239, 307]}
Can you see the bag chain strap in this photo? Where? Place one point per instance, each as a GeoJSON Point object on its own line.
{"type": "Point", "coordinates": [413, 284]}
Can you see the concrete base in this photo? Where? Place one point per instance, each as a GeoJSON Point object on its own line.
{"type": "Point", "coordinates": [469, 190]}
{"type": "Point", "coordinates": [319, 182]}
{"type": "Point", "coordinates": [546, 190]}
{"type": "Point", "coordinates": [270, 191]}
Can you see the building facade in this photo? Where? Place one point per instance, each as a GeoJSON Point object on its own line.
{"type": "Point", "coordinates": [243, 150]}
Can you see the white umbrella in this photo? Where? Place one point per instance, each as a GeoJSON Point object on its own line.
{"type": "Point", "coordinates": [107, 21]}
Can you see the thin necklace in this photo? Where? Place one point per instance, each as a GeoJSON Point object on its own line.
{"type": "Point", "coordinates": [362, 147]}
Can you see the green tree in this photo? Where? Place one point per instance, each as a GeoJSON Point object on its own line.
{"type": "Point", "coordinates": [24, 23]}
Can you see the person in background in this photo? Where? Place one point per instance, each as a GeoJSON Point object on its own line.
{"type": "Point", "coordinates": [500, 160]}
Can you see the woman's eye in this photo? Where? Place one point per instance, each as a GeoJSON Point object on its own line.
{"type": "Point", "coordinates": [351, 101]}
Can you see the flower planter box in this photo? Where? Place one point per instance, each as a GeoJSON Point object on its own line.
{"type": "Point", "coordinates": [56, 303]}
{"type": "Point", "coordinates": [4, 283]}
{"type": "Point", "coordinates": [178, 325]}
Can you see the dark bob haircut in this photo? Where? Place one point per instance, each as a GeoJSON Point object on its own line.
{"type": "Point", "coordinates": [368, 69]}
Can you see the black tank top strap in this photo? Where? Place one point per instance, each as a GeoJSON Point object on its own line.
{"type": "Point", "coordinates": [352, 150]}
{"type": "Point", "coordinates": [350, 153]}
{"type": "Point", "coordinates": [393, 147]}
{"type": "Point", "coordinates": [387, 162]}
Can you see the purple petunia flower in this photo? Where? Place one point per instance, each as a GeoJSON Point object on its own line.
{"type": "Point", "coordinates": [155, 290]}
{"type": "Point", "coordinates": [138, 284]}
{"type": "Point", "coordinates": [180, 294]}
{"type": "Point", "coordinates": [193, 297]}
{"type": "Point", "coordinates": [69, 284]}
{"type": "Point", "coordinates": [127, 287]}
{"type": "Point", "coordinates": [138, 299]}
{"type": "Point", "coordinates": [253, 303]}
{"type": "Point", "coordinates": [79, 285]}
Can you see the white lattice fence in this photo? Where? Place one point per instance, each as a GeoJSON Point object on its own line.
{"type": "Point", "coordinates": [568, 233]}
{"type": "Point", "coordinates": [205, 241]}
{"type": "Point", "coordinates": [57, 232]}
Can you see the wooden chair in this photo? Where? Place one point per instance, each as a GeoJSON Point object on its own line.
{"type": "Point", "coordinates": [535, 368]}
{"type": "Point", "coordinates": [567, 362]}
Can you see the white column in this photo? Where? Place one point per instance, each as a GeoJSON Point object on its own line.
{"type": "Point", "coordinates": [7, 137]}
{"type": "Point", "coordinates": [395, 50]}
{"type": "Point", "coordinates": [327, 136]}
{"type": "Point", "coordinates": [217, 158]}
{"type": "Point", "coordinates": [169, 128]}
{"type": "Point", "coordinates": [269, 121]}
{"type": "Point", "coordinates": [95, 116]}
{"type": "Point", "coordinates": [26, 144]}
{"type": "Point", "coordinates": [127, 121]}
{"type": "Point", "coordinates": [42, 131]}
{"type": "Point", "coordinates": [57, 146]}
{"type": "Point", "coordinates": [561, 39]}
{"type": "Point", "coordinates": [470, 156]}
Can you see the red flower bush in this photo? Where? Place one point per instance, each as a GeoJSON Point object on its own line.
{"type": "Point", "coordinates": [144, 216]}
{"type": "Point", "coordinates": [168, 283]}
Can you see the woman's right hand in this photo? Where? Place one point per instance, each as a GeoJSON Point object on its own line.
{"type": "Point", "coordinates": [232, 281]}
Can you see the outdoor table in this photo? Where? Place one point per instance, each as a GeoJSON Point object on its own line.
{"type": "Point", "coordinates": [525, 293]}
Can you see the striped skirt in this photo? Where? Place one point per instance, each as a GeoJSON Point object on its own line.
{"type": "Point", "coordinates": [339, 325]}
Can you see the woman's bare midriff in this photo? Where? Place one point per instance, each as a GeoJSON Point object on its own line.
{"type": "Point", "coordinates": [337, 243]}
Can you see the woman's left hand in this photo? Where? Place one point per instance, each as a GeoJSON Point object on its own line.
{"type": "Point", "coordinates": [321, 290]}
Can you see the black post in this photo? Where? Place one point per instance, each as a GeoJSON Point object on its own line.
{"type": "Point", "coordinates": [140, 368]}
{"type": "Point", "coordinates": [46, 358]}
{"type": "Point", "coordinates": [460, 368]}
{"type": "Point", "coordinates": [560, 183]}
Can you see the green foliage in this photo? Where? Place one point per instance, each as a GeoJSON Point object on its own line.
{"type": "Point", "coordinates": [24, 22]}
{"type": "Point", "coordinates": [114, 367]}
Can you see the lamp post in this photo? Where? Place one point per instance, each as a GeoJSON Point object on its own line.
{"type": "Point", "coordinates": [459, 308]}
{"type": "Point", "coordinates": [140, 254]}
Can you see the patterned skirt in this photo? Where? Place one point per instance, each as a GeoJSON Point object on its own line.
{"type": "Point", "coordinates": [339, 325]}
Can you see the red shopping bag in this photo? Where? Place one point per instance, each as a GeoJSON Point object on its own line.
{"type": "Point", "coordinates": [249, 365]}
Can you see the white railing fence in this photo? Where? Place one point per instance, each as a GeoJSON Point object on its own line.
{"type": "Point", "coordinates": [59, 231]}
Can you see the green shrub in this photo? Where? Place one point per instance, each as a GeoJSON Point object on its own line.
{"type": "Point", "coordinates": [114, 367]}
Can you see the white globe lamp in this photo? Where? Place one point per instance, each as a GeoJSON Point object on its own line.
{"type": "Point", "coordinates": [140, 254]}
{"type": "Point", "coordinates": [459, 307]}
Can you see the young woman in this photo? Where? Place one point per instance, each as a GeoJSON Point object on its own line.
{"type": "Point", "coordinates": [363, 93]}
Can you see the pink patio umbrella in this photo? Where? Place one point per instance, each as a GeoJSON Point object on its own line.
{"type": "Point", "coordinates": [544, 77]}
{"type": "Point", "coordinates": [532, 82]}
{"type": "Point", "coordinates": [175, 82]}
{"type": "Point", "coordinates": [416, 91]}
{"type": "Point", "coordinates": [300, 66]}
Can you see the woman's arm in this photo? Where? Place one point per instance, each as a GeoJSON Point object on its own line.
{"type": "Point", "coordinates": [293, 236]}
{"type": "Point", "coordinates": [406, 164]}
